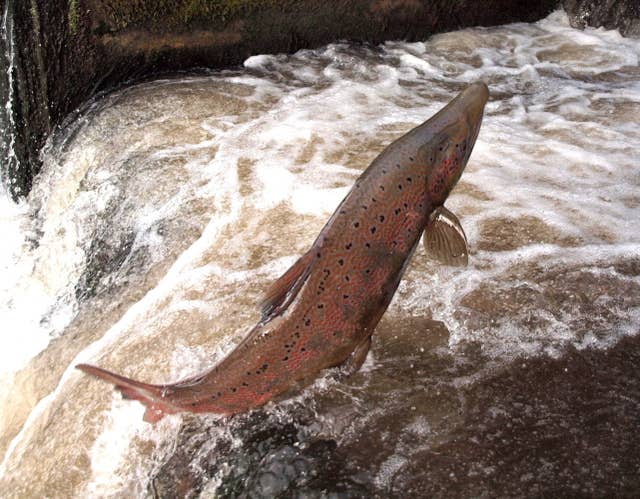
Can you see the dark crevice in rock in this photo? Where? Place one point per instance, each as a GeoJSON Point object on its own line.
{"type": "Point", "coordinates": [623, 15]}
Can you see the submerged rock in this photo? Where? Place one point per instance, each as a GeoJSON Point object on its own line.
{"type": "Point", "coordinates": [424, 424]}
{"type": "Point", "coordinates": [68, 50]}
{"type": "Point", "coordinates": [623, 15]}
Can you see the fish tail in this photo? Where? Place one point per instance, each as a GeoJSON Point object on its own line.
{"type": "Point", "coordinates": [150, 395]}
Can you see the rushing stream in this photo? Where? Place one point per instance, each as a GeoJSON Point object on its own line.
{"type": "Point", "coordinates": [166, 208]}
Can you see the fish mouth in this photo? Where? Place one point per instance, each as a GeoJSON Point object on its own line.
{"type": "Point", "coordinates": [469, 105]}
{"type": "Point", "coordinates": [471, 102]}
{"type": "Point", "coordinates": [455, 128]}
{"type": "Point", "coordinates": [465, 111]}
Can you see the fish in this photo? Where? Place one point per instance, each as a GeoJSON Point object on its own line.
{"type": "Point", "coordinates": [322, 312]}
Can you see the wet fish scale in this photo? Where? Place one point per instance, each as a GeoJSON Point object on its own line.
{"type": "Point", "coordinates": [324, 309]}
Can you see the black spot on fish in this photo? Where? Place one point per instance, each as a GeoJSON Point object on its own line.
{"type": "Point", "coordinates": [406, 205]}
{"type": "Point", "coordinates": [234, 390]}
{"type": "Point", "coordinates": [348, 246]}
{"type": "Point", "coordinates": [307, 322]}
{"type": "Point", "coordinates": [356, 224]}
{"type": "Point", "coordinates": [384, 172]}
{"type": "Point", "coordinates": [320, 305]}
{"type": "Point", "coordinates": [373, 229]}
{"type": "Point", "coordinates": [367, 271]}
{"type": "Point", "coordinates": [408, 179]}
{"type": "Point", "coordinates": [346, 278]}
{"type": "Point", "coordinates": [303, 349]}
{"type": "Point", "coordinates": [342, 212]}
{"type": "Point", "coordinates": [381, 218]}
{"type": "Point", "coordinates": [264, 367]}
{"type": "Point", "coordinates": [368, 245]}
{"type": "Point", "coordinates": [400, 187]}
{"type": "Point", "coordinates": [410, 158]}
{"type": "Point", "coordinates": [345, 296]}
{"type": "Point", "coordinates": [318, 254]}
{"type": "Point", "coordinates": [382, 188]}
{"type": "Point", "coordinates": [286, 358]}
{"type": "Point", "coordinates": [397, 211]}
{"type": "Point", "coordinates": [374, 200]}
{"type": "Point", "coordinates": [341, 262]}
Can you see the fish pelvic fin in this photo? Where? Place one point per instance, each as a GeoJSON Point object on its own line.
{"type": "Point", "coordinates": [149, 395]}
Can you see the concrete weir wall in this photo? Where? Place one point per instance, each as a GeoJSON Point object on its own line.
{"type": "Point", "coordinates": [58, 53]}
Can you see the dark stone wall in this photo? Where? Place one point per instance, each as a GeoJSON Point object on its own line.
{"type": "Point", "coordinates": [611, 14]}
{"type": "Point", "coordinates": [67, 50]}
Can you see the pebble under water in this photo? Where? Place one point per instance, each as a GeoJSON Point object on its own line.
{"type": "Point", "coordinates": [166, 209]}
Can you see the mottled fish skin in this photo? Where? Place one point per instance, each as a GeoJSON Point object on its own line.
{"type": "Point", "coordinates": [329, 303]}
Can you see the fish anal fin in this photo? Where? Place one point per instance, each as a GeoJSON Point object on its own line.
{"type": "Point", "coordinates": [354, 362]}
{"type": "Point", "coordinates": [282, 291]}
{"type": "Point", "coordinates": [445, 240]}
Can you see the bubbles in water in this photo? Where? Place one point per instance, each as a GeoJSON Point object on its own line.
{"type": "Point", "coordinates": [163, 213]}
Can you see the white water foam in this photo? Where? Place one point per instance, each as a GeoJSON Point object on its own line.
{"type": "Point", "coordinates": [262, 156]}
{"type": "Point", "coordinates": [23, 298]}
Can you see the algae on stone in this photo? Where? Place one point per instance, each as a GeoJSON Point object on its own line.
{"type": "Point", "coordinates": [74, 16]}
{"type": "Point", "coordinates": [175, 14]}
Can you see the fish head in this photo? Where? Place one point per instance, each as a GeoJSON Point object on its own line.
{"type": "Point", "coordinates": [452, 133]}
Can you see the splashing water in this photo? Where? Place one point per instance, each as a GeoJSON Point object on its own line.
{"type": "Point", "coordinates": [167, 208]}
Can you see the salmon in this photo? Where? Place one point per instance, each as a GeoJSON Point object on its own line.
{"type": "Point", "coordinates": [322, 312]}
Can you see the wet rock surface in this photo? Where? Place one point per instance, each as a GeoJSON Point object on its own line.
{"type": "Point", "coordinates": [543, 427]}
{"type": "Point", "coordinates": [623, 15]}
{"type": "Point", "coordinates": [67, 51]}
{"type": "Point", "coordinates": [535, 427]}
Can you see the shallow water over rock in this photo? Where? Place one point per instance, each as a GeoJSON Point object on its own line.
{"type": "Point", "coordinates": [164, 212]}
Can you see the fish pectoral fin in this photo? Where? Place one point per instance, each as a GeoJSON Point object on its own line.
{"type": "Point", "coordinates": [445, 240]}
{"type": "Point", "coordinates": [284, 290]}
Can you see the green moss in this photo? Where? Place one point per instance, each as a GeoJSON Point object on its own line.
{"type": "Point", "coordinates": [74, 16]}
{"type": "Point", "coordinates": [176, 14]}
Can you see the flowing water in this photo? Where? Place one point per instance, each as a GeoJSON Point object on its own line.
{"type": "Point", "coordinates": [166, 208]}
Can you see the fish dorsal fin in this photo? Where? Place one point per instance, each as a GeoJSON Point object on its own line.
{"type": "Point", "coordinates": [280, 294]}
{"type": "Point", "coordinates": [445, 240]}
